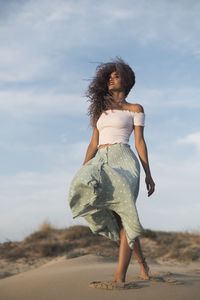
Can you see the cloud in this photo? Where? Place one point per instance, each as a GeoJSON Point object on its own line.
{"type": "Point", "coordinates": [32, 103]}
{"type": "Point", "coordinates": [192, 139]}
{"type": "Point", "coordinates": [175, 202]}
{"type": "Point", "coordinates": [32, 197]}
{"type": "Point", "coordinates": [168, 97]}
{"type": "Point", "coordinates": [41, 157]}
{"type": "Point", "coordinates": [47, 34]}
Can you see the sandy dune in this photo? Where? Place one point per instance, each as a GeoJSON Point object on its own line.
{"type": "Point", "coordinates": [69, 279]}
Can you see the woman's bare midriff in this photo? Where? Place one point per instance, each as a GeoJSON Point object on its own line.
{"type": "Point", "coordinates": [105, 145]}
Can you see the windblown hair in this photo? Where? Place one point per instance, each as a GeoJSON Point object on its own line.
{"type": "Point", "coordinates": [98, 95]}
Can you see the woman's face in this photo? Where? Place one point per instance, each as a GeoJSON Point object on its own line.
{"type": "Point", "coordinates": [114, 82]}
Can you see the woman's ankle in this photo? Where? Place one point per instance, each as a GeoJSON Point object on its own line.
{"type": "Point", "coordinates": [119, 276]}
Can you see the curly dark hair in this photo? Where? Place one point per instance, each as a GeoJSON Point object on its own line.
{"type": "Point", "coordinates": [97, 93]}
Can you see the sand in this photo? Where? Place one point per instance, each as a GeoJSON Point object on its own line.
{"type": "Point", "coordinates": [70, 278]}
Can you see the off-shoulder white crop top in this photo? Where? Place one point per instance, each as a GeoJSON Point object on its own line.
{"type": "Point", "coordinates": [115, 126]}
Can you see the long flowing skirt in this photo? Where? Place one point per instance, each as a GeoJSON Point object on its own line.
{"type": "Point", "coordinates": [108, 184]}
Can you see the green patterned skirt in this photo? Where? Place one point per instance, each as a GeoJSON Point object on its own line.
{"type": "Point", "coordinates": [108, 184]}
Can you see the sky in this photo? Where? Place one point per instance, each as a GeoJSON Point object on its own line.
{"type": "Point", "coordinates": [49, 52]}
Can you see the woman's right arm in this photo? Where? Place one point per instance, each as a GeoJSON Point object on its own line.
{"type": "Point", "coordinates": [92, 147]}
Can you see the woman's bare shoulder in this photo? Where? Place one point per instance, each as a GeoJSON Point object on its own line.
{"type": "Point", "coordinates": [136, 107]}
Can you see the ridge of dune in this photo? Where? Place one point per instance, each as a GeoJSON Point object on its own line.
{"type": "Point", "coordinates": [84, 259]}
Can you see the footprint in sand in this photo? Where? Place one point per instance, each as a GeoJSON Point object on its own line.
{"type": "Point", "coordinates": [110, 285]}
{"type": "Point", "coordinates": [173, 281]}
{"type": "Point", "coordinates": [163, 278]}
{"type": "Point", "coordinates": [167, 278]}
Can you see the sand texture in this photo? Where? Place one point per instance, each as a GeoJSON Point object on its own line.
{"type": "Point", "coordinates": [72, 279]}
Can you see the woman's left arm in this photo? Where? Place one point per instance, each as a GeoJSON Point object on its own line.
{"type": "Point", "coordinates": [142, 151]}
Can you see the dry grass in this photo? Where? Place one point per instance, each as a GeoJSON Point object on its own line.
{"type": "Point", "coordinates": [77, 240]}
{"type": "Point", "coordinates": [46, 226]}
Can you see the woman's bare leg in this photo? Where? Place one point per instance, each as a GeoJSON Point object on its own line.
{"type": "Point", "coordinates": [125, 253]}
{"type": "Point", "coordinates": [137, 250]}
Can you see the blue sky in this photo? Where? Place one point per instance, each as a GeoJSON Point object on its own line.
{"type": "Point", "coordinates": [49, 51]}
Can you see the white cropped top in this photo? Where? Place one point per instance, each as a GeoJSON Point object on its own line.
{"type": "Point", "coordinates": [116, 125]}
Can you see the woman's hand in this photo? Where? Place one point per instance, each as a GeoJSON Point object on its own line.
{"type": "Point", "coordinates": [150, 185]}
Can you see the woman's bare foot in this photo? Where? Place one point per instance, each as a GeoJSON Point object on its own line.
{"type": "Point", "coordinates": [144, 271]}
{"type": "Point", "coordinates": [118, 280]}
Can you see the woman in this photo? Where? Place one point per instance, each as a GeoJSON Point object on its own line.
{"type": "Point", "coordinates": [105, 188]}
